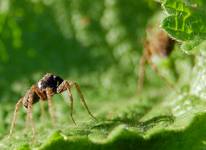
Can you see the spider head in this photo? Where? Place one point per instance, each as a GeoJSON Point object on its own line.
{"type": "Point", "coordinates": [50, 81]}
{"type": "Point", "coordinates": [57, 80]}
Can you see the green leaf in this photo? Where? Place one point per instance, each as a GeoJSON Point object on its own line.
{"type": "Point", "coordinates": [192, 137]}
{"type": "Point", "coordinates": [189, 47]}
{"type": "Point", "coordinates": [185, 21]}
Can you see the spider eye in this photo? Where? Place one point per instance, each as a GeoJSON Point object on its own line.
{"type": "Point", "coordinates": [39, 85]}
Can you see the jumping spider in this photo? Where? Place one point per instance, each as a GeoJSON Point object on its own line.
{"type": "Point", "coordinates": [157, 44]}
{"type": "Point", "coordinates": [45, 88]}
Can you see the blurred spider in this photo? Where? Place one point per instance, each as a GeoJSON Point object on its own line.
{"type": "Point", "coordinates": [45, 88]}
{"type": "Point", "coordinates": [157, 44]}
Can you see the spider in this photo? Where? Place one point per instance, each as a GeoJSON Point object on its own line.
{"type": "Point", "coordinates": [157, 44]}
{"type": "Point", "coordinates": [45, 88]}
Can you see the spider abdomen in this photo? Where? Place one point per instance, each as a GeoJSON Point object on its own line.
{"type": "Point", "coordinates": [35, 98]}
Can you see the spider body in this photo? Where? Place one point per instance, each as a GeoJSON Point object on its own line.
{"type": "Point", "coordinates": [48, 81]}
{"type": "Point", "coordinates": [45, 88]}
{"type": "Point", "coordinates": [34, 96]}
{"type": "Point", "coordinates": [157, 44]}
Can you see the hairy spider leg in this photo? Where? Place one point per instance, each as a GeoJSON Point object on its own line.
{"type": "Point", "coordinates": [71, 83]}
{"type": "Point", "coordinates": [18, 105]}
{"type": "Point", "coordinates": [42, 109]}
{"type": "Point", "coordinates": [36, 90]}
{"type": "Point", "coordinates": [141, 73]}
{"type": "Point", "coordinates": [67, 85]}
{"type": "Point", "coordinates": [71, 100]}
{"type": "Point", "coordinates": [155, 69]}
{"type": "Point", "coordinates": [49, 95]}
{"type": "Point", "coordinates": [42, 96]}
{"type": "Point", "coordinates": [29, 113]}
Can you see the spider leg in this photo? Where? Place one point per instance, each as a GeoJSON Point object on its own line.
{"type": "Point", "coordinates": [42, 96]}
{"type": "Point", "coordinates": [66, 86]}
{"type": "Point", "coordinates": [71, 83]}
{"type": "Point", "coordinates": [27, 122]}
{"type": "Point", "coordinates": [71, 101]}
{"type": "Point", "coordinates": [42, 109]}
{"type": "Point", "coordinates": [143, 61]}
{"type": "Point", "coordinates": [141, 73]}
{"type": "Point", "coordinates": [154, 67]}
{"type": "Point", "coordinates": [29, 113]}
{"type": "Point", "coordinates": [18, 104]}
{"type": "Point", "coordinates": [49, 94]}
